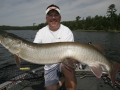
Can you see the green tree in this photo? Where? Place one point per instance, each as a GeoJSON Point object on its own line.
{"type": "Point", "coordinates": [78, 18]}
{"type": "Point", "coordinates": [111, 15]}
{"type": "Point", "coordinates": [111, 10]}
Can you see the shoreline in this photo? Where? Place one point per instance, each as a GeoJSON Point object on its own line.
{"type": "Point", "coordinates": [114, 31]}
{"type": "Point", "coordinates": [117, 31]}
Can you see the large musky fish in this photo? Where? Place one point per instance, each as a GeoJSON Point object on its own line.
{"type": "Point", "coordinates": [58, 52]}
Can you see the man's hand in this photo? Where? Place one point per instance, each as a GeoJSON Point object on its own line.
{"type": "Point", "coordinates": [70, 63]}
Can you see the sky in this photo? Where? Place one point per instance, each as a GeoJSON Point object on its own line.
{"type": "Point", "coordinates": [27, 12]}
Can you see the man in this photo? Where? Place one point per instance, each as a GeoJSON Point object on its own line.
{"type": "Point", "coordinates": [56, 32]}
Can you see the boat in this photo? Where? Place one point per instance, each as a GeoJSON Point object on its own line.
{"type": "Point", "coordinates": [34, 80]}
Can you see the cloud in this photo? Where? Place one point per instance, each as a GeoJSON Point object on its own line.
{"type": "Point", "coordinates": [27, 12]}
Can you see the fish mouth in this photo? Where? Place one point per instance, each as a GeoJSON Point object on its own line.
{"type": "Point", "coordinates": [2, 35]}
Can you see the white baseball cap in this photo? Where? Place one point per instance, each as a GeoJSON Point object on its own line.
{"type": "Point", "coordinates": [52, 7]}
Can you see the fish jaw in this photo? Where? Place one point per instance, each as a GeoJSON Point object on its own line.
{"type": "Point", "coordinates": [2, 35]}
{"type": "Point", "coordinates": [10, 42]}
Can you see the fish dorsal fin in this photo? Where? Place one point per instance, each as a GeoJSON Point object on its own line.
{"type": "Point", "coordinates": [17, 60]}
{"type": "Point", "coordinates": [99, 47]}
{"type": "Point", "coordinates": [97, 70]}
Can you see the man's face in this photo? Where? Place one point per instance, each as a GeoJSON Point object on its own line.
{"type": "Point", "coordinates": [53, 19]}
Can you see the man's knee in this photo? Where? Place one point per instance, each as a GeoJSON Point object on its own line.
{"type": "Point", "coordinates": [67, 71]}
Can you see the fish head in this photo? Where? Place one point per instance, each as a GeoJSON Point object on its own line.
{"type": "Point", "coordinates": [5, 38]}
{"type": "Point", "coordinates": [10, 41]}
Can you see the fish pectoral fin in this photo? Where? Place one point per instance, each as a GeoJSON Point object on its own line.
{"type": "Point", "coordinates": [97, 70]}
{"type": "Point", "coordinates": [17, 60]}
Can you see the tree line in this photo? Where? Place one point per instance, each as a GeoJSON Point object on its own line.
{"type": "Point", "coordinates": [110, 22]}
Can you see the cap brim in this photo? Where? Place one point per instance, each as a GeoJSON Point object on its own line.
{"type": "Point", "coordinates": [52, 8]}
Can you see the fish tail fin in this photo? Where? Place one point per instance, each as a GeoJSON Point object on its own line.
{"type": "Point", "coordinates": [115, 69]}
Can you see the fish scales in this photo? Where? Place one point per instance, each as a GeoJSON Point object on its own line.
{"type": "Point", "coordinates": [56, 52]}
